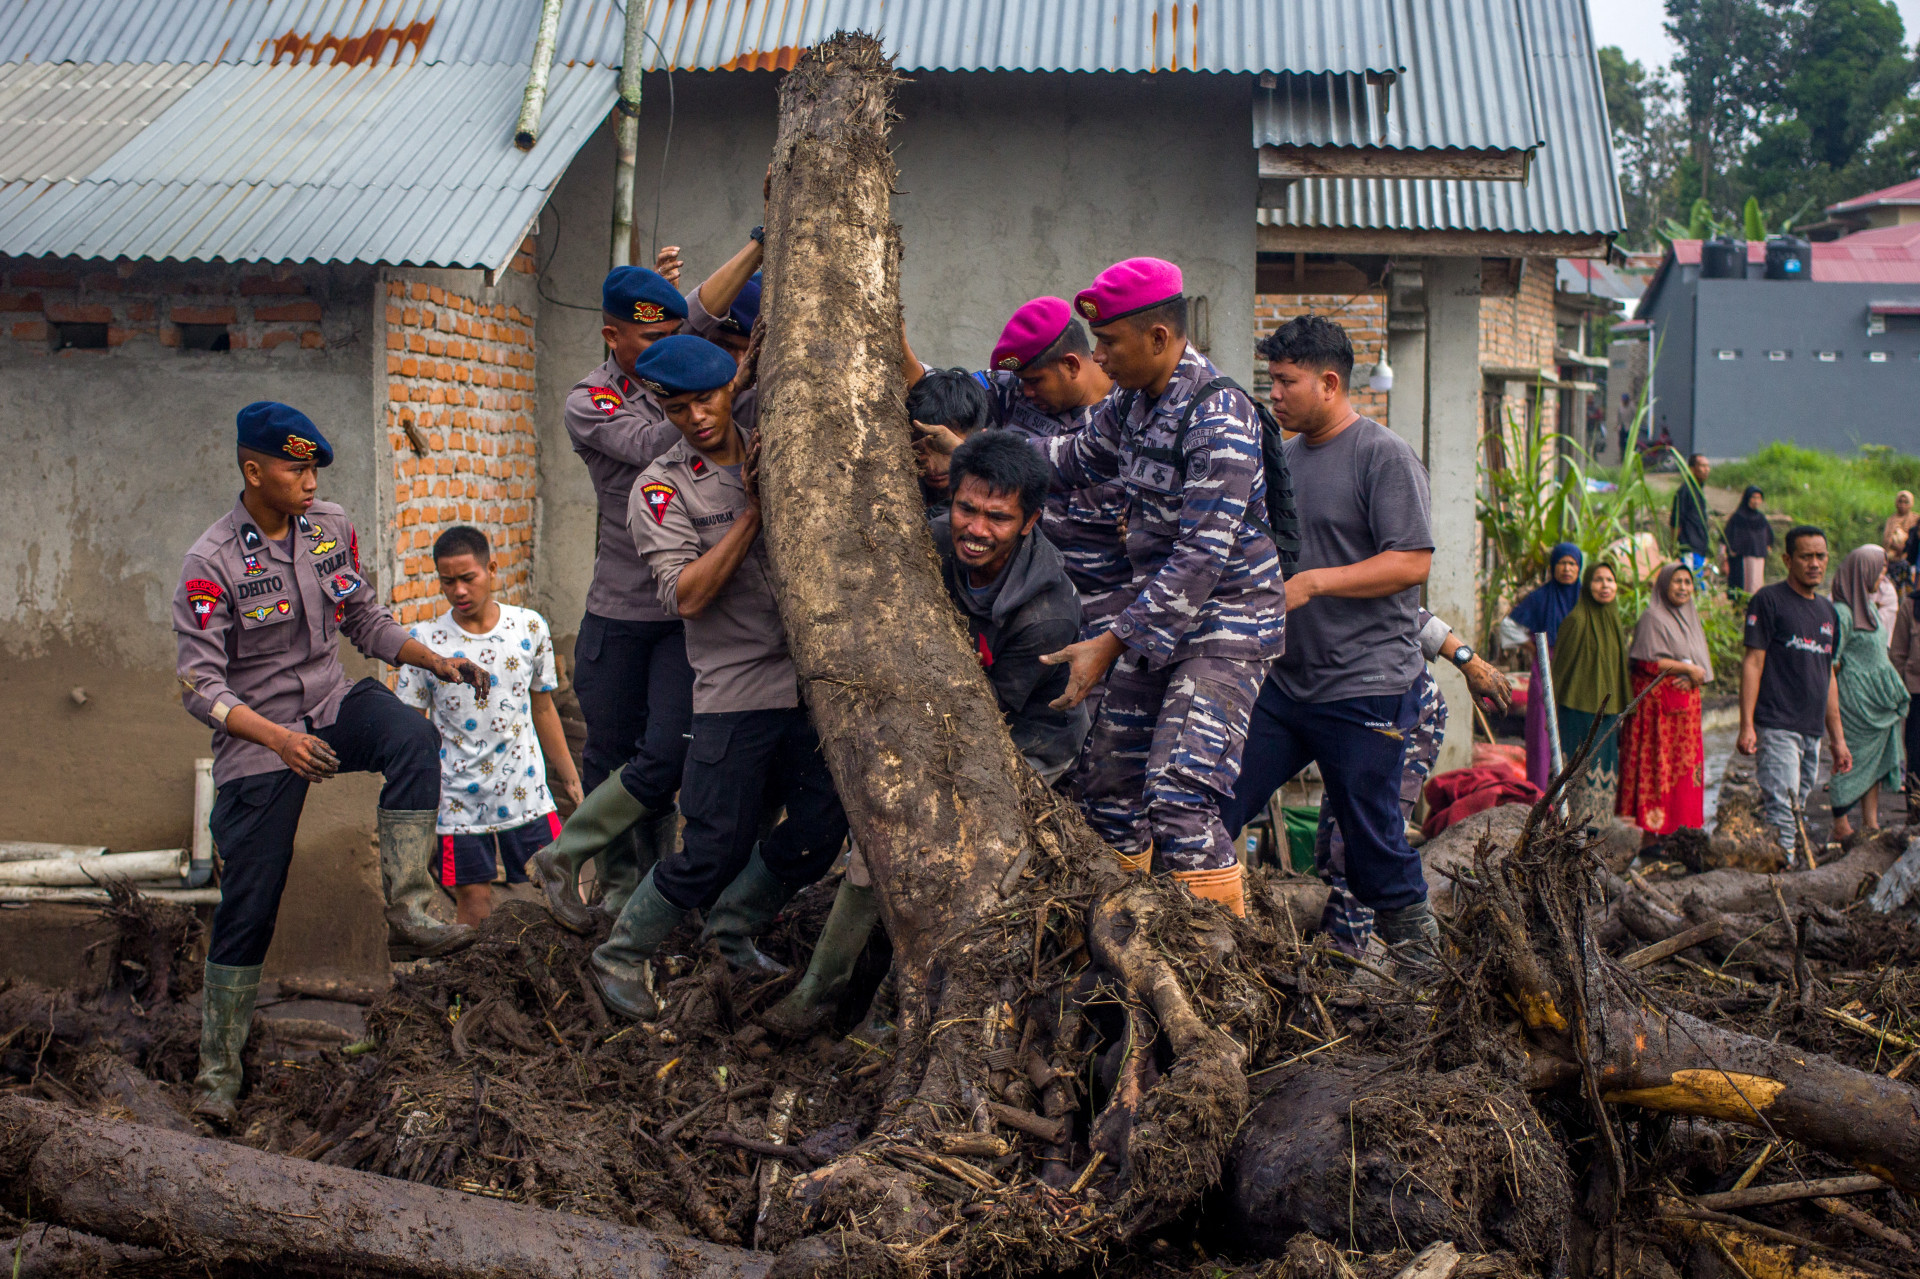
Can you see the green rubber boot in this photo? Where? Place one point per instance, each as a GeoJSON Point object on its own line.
{"type": "Point", "coordinates": [226, 1014]}
{"type": "Point", "coordinates": [625, 860]}
{"type": "Point", "coordinates": [745, 909]}
{"type": "Point", "coordinates": [601, 819]}
{"type": "Point", "coordinates": [811, 1003]}
{"type": "Point", "coordinates": [408, 849]}
{"type": "Point", "coordinates": [622, 965]}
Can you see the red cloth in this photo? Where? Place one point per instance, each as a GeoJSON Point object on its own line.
{"type": "Point", "coordinates": [1459, 794]}
{"type": "Point", "coordinates": [1662, 757]}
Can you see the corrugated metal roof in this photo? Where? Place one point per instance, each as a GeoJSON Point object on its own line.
{"type": "Point", "coordinates": [1572, 188]}
{"type": "Point", "coordinates": [304, 31]}
{"type": "Point", "coordinates": [1469, 85]}
{"type": "Point", "coordinates": [1344, 36]}
{"type": "Point", "coordinates": [283, 163]}
{"type": "Point", "coordinates": [60, 120]}
{"type": "Point", "coordinates": [1899, 193]}
{"type": "Point", "coordinates": [1340, 36]}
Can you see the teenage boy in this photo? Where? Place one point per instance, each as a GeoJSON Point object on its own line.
{"type": "Point", "coordinates": [495, 808]}
{"type": "Point", "coordinates": [264, 597]}
{"type": "Point", "coordinates": [1788, 691]}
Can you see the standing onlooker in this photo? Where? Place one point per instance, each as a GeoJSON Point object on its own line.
{"type": "Point", "coordinates": [1872, 698]}
{"type": "Point", "coordinates": [1904, 653]}
{"type": "Point", "coordinates": [1894, 536]}
{"type": "Point", "coordinates": [1749, 539]}
{"type": "Point", "coordinates": [495, 809]}
{"type": "Point", "coordinates": [1788, 691]}
{"type": "Point", "coordinates": [1662, 753]}
{"type": "Point", "coordinates": [1689, 516]}
{"type": "Point", "coordinates": [1590, 689]}
{"type": "Point", "coordinates": [1541, 611]}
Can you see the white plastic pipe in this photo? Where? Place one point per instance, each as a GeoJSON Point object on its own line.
{"type": "Point", "coordinates": [200, 870]}
{"type": "Point", "coordinates": [82, 872]}
{"type": "Point", "coordinates": [24, 851]}
{"type": "Point", "coordinates": [87, 896]}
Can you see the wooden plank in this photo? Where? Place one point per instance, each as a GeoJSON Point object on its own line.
{"type": "Point", "coordinates": [1436, 244]}
{"type": "Point", "coordinates": [1384, 162]}
{"type": "Point", "coordinates": [1673, 945]}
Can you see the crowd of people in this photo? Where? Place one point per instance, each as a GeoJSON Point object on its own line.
{"type": "Point", "coordinates": [1181, 597]}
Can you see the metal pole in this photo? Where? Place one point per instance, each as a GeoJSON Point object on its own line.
{"type": "Point", "coordinates": [1542, 686]}
{"type": "Point", "coordinates": [527, 131]}
{"type": "Point", "coordinates": [626, 136]}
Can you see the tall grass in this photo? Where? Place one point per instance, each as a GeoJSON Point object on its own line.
{"type": "Point", "coordinates": [1849, 496]}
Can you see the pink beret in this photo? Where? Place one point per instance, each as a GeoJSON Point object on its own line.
{"type": "Point", "coordinates": [1126, 287]}
{"type": "Point", "coordinates": [1033, 328]}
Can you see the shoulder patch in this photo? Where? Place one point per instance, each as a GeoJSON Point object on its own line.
{"type": "Point", "coordinates": [659, 496]}
{"type": "Point", "coordinates": [606, 399]}
{"type": "Point", "coordinates": [203, 596]}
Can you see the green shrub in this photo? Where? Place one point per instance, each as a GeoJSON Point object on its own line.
{"type": "Point", "coordinates": [1848, 496]}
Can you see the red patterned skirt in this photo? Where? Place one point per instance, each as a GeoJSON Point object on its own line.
{"type": "Point", "coordinates": [1662, 757]}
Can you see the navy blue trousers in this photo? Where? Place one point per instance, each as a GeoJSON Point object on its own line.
{"type": "Point", "coordinates": [636, 694]}
{"type": "Point", "coordinates": [1360, 744]}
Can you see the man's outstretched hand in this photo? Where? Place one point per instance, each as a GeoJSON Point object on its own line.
{"type": "Point", "coordinates": [1088, 662]}
{"type": "Point", "coordinates": [464, 670]}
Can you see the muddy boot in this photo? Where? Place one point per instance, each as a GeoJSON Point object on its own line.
{"type": "Point", "coordinates": [1413, 935]}
{"type": "Point", "coordinates": [622, 965]}
{"type": "Point", "coordinates": [809, 1005]}
{"type": "Point", "coordinates": [226, 1013]}
{"type": "Point", "coordinates": [599, 821]}
{"type": "Point", "coordinates": [633, 855]}
{"type": "Point", "coordinates": [876, 1032]}
{"type": "Point", "coordinates": [407, 853]}
{"type": "Point", "coordinates": [744, 910]}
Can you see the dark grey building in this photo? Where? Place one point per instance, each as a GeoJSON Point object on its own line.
{"type": "Point", "coordinates": [1832, 362]}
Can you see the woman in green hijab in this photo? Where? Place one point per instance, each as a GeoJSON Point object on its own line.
{"type": "Point", "coordinates": [1591, 683]}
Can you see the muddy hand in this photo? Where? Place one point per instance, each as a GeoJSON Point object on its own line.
{"type": "Point", "coordinates": [463, 670]}
{"type": "Point", "coordinates": [310, 758]}
{"type": "Point", "coordinates": [1088, 662]}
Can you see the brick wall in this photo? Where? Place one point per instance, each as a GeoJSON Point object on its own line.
{"type": "Point", "coordinates": [280, 310]}
{"type": "Point", "coordinates": [460, 418]}
{"type": "Point", "coordinates": [1364, 316]}
{"type": "Point", "coordinates": [1517, 331]}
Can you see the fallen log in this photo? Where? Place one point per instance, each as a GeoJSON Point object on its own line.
{"type": "Point", "coordinates": [53, 1252]}
{"type": "Point", "coordinates": [147, 1187]}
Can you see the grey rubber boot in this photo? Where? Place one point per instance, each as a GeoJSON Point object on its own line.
{"type": "Point", "coordinates": [633, 855]}
{"type": "Point", "coordinates": [744, 910]}
{"type": "Point", "coordinates": [1413, 935]}
{"type": "Point", "coordinates": [622, 965]}
{"type": "Point", "coordinates": [226, 1014]}
{"type": "Point", "coordinates": [407, 849]}
{"type": "Point", "coordinates": [602, 818]}
{"type": "Point", "coordinates": [811, 1004]}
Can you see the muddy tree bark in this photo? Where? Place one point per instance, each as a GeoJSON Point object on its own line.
{"type": "Point", "coordinates": [149, 1187]}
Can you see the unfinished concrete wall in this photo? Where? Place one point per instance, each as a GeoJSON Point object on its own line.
{"type": "Point", "coordinates": [118, 458]}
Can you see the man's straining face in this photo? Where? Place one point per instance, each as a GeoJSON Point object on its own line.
{"type": "Point", "coordinates": [987, 526]}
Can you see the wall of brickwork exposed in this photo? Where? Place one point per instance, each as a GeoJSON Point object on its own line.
{"type": "Point", "coordinates": [461, 429]}
{"type": "Point", "coordinates": [1364, 316]}
{"type": "Point", "coordinates": [1517, 332]}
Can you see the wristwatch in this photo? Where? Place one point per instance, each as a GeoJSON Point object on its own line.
{"type": "Point", "coordinates": [1463, 655]}
{"type": "Point", "coordinates": [758, 235]}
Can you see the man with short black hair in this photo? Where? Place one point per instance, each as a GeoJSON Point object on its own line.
{"type": "Point", "coordinates": [1345, 693]}
{"type": "Point", "coordinates": [264, 597]}
{"type": "Point", "coordinates": [1688, 518]}
{"type": "Point", "coordinates": [1788, 689]}
{"type": "Point", "coordinates": [955, 399]}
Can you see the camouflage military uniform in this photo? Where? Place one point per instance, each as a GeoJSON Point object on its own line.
{"type": "Point", "coordinates": [1084, 525]}
{"type": "Point", "coordinates": [1207, 614]}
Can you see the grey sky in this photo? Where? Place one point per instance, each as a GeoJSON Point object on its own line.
{"type": "Point", "coordinates": [1638, 27]}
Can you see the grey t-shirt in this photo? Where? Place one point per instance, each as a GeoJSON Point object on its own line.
{"type": "Point", "coordinates": [1361, 493]}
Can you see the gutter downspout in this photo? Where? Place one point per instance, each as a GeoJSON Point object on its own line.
{"type": "Point", "coordinates": [527, 131]}
{"type": "Point", "coordinates": [200, 867]}
{"type": "Point", "coordinates": [626, 144]}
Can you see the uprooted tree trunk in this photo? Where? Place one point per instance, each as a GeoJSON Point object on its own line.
{"type": "Point", "coordinates": [148, 1187]}
{"type": "Point", "coordinates": [960, 836]}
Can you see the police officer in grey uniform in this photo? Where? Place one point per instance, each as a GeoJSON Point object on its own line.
{"type": "Point", "coordinates": [695, 516]}
{"type": "Point", "coordinates": [264, 596]}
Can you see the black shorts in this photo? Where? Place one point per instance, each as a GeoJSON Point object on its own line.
{"type": "Point", "coordinates": [472, 859]}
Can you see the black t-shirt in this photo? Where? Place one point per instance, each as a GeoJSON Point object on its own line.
{"type": "Point", "coordinates": [1798, 635]}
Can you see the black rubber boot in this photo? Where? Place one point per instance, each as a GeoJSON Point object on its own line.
{"type": "Point", "coordinates": [602, 818]}
{"type": "Point", "coordinates": [1413, 935]}
{"type": "Point", "coordinates": [744, 910]}
{"type": "Point", "coordinates": [811, 1003]}
{"type": "Point", "coordinates": [226, 1014]}
{"type": "Point", "coordinates": [622, 965]}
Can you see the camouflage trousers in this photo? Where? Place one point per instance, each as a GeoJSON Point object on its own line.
{"type": "Point", "coordinates": [1345, 921]}
{"type": "Point", "coordinates": [1164, 752]}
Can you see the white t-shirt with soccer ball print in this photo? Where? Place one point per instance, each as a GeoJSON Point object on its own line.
{"type": "Point", "coordinates": [492, 774]}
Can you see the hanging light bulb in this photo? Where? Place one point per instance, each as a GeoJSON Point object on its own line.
{"type": "Point", "coordinates": [1382, 375]}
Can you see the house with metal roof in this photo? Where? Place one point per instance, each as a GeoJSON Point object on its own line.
{"type": "Point", "coordinates": [204, 203]}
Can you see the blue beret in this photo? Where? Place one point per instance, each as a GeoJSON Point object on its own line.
{"type": "Point", "coordinates": [682, 363]}
{"type": "Point", "coordinates": [279, 430]}
{"type": "Point", "coordinates": [745, 310]}
{"type": "Point", "coordinates": [640, 296]}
